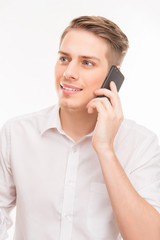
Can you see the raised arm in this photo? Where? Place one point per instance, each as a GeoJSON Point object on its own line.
{"type": "Point", "coordinates": [136, 218]}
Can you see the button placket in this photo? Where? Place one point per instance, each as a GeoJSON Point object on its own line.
{"type": "Point", "coordinates": [69, 194]}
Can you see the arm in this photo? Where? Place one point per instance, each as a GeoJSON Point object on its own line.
{"type": "Point", "coordinates": [7, 188]}
{"type": "Point", "coordinates": [136, 218]}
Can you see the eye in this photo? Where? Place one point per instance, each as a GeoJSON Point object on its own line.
{"type": "Point", "coordinates": [63, 59]}
{"type": "Point", "coordinates": [87, 63]}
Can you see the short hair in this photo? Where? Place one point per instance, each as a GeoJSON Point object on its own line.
{"type": "Point", "coordinates": [106, 30]}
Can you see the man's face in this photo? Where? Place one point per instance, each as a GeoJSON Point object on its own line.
{"type": "Point", "coordinates": [81, 68]}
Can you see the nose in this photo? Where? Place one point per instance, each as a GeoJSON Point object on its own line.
{"type": "Point", "coordinates": [71, 72]}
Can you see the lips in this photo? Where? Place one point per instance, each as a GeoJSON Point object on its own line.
{"type": "Point", "coordinates": [68, 87]}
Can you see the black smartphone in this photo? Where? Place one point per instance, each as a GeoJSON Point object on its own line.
{"type": "Point", "coordinates": [114, 75]}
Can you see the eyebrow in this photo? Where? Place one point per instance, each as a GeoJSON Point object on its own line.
{"type": "Point", "coordinates": [81, 56]}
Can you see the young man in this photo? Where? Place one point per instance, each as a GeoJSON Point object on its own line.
{"type": "Point", "coordinates": [78, 170]}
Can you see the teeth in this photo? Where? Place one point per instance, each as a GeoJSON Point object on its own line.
{"type": "Point", "coordinates": [69, 89]}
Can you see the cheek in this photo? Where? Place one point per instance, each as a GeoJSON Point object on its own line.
{"type": "Point", "coordinates": [58, 72]}
{"type": "Point", "coordinates": [95, 82]}
{"type": "Point", "coordinates": [57, 76]}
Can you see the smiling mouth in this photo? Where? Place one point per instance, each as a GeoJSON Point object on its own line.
{"type": "Point", "coordinates": [70, 89]}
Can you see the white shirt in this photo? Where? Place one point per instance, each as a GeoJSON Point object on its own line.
{"type": "Point", "coordinates": [57, 185]}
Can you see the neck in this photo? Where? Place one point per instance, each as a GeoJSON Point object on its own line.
{"type": "Point", "coordinates": [77, 124]}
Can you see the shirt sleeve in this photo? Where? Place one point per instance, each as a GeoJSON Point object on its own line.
{"type": "Point", "coordinates": [145, 173]}
{"type": "Point", "coordinates": [7, 187]}
{"type": "Point", "coordinates": [145, 176]}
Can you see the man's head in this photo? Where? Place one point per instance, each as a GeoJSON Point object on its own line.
{"type": "Point", "coordinates": [106, 30]}
{"type": "Point", "coordinates": [89, 46]}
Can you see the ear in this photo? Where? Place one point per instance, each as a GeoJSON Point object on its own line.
{"type": "Point", "coordinates": [119, 68]}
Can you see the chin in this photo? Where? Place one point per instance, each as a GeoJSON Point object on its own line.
{"type": "Point", "coordinates": [70, 106]}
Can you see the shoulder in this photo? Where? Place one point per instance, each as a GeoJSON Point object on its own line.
{"type": "Point", "coordinates": [135, 144]}
{"type": "Point", "coordinates": [33, 118]}
{"type": "Point", "coordinates": [131, 129]}
{"type": "Point", "coordinates": [140, 156]}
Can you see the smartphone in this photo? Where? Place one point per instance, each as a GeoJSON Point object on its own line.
{"type": "Point", "coordinates": [114, 75]}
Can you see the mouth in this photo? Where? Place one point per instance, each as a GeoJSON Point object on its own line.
{"type": "Point", "coordinates": [70, 87]}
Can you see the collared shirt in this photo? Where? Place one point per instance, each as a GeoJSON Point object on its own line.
{"type": "Point", "coordinates": [57, 184]}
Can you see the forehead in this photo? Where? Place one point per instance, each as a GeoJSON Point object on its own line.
{"type": "Point", "coordinates": [83, 42]}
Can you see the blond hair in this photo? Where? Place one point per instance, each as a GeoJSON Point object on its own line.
{"type": "Point", "coordinates": [106, 30]}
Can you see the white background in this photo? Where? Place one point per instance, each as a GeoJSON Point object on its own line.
{"type": "Point", "coordinates": [29, 37]}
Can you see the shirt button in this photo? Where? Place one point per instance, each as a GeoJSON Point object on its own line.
{"type": "Point", "coordinates": [68, 218]}
{"type": "Point", "coordinates": [74, 149]}
{"type": "Point", "coordinates": [70, 182]}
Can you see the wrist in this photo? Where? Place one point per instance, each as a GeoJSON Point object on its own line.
{"type": "Point", "coordinates": [106, 153]}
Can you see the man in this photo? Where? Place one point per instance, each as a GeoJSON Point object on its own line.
{"type": "Point", "coordinates": [79, 170]}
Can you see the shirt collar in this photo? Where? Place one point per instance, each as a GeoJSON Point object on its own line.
{"type": "Point", "coordinates": [50, 119]}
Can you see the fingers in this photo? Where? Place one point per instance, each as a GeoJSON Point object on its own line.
{"type": "Point", "coordinates": [100, 104]}
{"type": "Point", "coordinates": [113, 87]}
{"type": "Point", "coordinates": [111, 94]}
{"type": "Point", "coordinates": [113, 105]}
